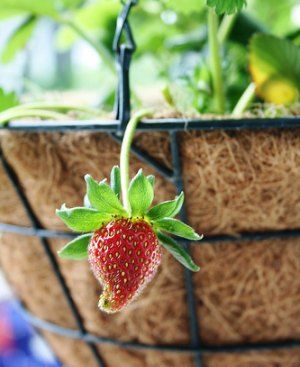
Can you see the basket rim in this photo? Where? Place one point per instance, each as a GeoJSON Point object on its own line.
{"type": "Point", "coordinates": [156, 124]}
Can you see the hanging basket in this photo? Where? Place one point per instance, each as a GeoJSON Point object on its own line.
{"type": "Point", "coordinates": [235, 182]}
{"type": "Point", "coordinates": [242, 185]}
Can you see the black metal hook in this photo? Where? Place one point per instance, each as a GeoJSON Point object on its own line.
{"type": "Point", "coordinates": [124, 50]}
{"type": "Point", "coordinates": [123, 26]}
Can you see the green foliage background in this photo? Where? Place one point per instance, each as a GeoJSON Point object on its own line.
{"type": "Point", "coordinates": [171, 36]}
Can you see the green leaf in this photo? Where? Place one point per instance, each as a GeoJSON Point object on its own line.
{"type": "Point", "coordinates": [275, 68]}
{"type": "Point", "coordinates": [177, 228]}
{"type": "Point", "coordinates": [82, 219]}
{"type": "Point", "coordinates": [140, 194]}
{"type": "Point", "coordinates": [102, 197]}
{"type": "Point", "coordinates": [98, 14]}
{"type": "Point", "coordinates": [40, 7]}
{"type": "Point", "coordinates": [151, 179]}
{"type": "Point", "coordinates": [167, 94]}
{"type": "Point", "coordinates": [178, 252]}
{"type": "Point", "coordinates": [184, 7]}
{"type": "Point", "coordinates": [7, 100]}
{"type": "Point", "coordinates": [95, 16]}
{"type": "Point", "coordinates": [8, 13]}
{"type": "Point", "coordinates": [166, 209]}
{"type": "Point", "coordinates": [115, 181]}
{"type": "Point", "coordinates": [226, 6]}
{"type": "Point", "coordinates": [18, 40]}
{"type": "Point", "coordinates": [76, 249]}
{"type": "Point", "coordinates": [70, 4]}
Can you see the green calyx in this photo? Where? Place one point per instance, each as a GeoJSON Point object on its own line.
{"type": "Point", "coordinates": [102, 205]}
{"type": "Point", "coordinates": [76, 249]}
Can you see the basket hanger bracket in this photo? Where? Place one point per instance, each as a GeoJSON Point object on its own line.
{"type": "Point", "coordinates": [124, 47]}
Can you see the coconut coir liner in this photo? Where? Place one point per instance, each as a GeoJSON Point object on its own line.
{"type": "Point", "coordinates": [246, 292]}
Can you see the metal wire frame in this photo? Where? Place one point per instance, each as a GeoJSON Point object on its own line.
{"type": "Point", "coordinates": [124, 51]}
{"type": "Point", "coordinates": [212, 239]}
{"type": "Point", "coordinates": [168, 124]}
{"type": "Point", "coordinates": [114, 128]}
{"type": "Point", "coordinates": [51, 257]}
{"type": "Point", "coordinates": [170, 348]}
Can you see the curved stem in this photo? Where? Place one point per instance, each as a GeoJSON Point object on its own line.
{"type": "Point", "coordinates": [53, 106]}
{"type": "Point", "coordinates": [226, 27]}
{"type": "Point", "coordinates": [215, 61]}
{"type": "Point", "coordinates": [11, 115]}
{"type": "Point", "coordinates": [125, 155]}
{"type": "Point", "coordinates": [245, 100]}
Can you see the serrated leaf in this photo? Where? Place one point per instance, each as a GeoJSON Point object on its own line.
{"type": "Point", "coordinates": [275, 68]}
{"type": "Point", "coordinates": [115, 181]}
{"type": "Point", "coordinates": [226, 6]}
{"type": "Point", "coordinates": [102, 197]}
{"type": "Point", "coordinates": [19, 39]}
{"type": "Point", "coordinates": [177, 228]}
{"type": "Point", "coordinates": [179, 253]}
{"type": "Point", "coordinates": [7, 100]}
{"type": "Point", "coordinates": [151, 179]}
{"type": "Point", "coordinates": [76, 249]}
{"type": "Point", "coordinates": [166, 209]}
{"type": "Point", "coordinates": [140, 194]}
{"type": "Point", "coordinates": [82, 219]}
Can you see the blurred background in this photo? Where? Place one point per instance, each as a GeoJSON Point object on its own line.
{"type": "Point", "coordinates": [43, 50]}
{"type": "Point", "coordinates": [20, 346]}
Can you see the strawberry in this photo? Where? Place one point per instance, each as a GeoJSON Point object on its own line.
{"type": "Point", "coordinates": [123, 242]}
{"type": "Point", "coordinates": [124, 256]}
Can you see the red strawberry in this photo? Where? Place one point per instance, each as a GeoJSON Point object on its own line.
{"type": "Point", "coordinates": [123, 242]}
{"type": "Point", "coordinates": [124, 256]}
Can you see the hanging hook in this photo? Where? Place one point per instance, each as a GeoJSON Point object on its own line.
{"type": "Point", "coordinates": [124, 46]}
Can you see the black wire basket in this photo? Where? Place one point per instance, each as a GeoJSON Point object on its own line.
{"type": "Point", "coordinates": [115, 128]}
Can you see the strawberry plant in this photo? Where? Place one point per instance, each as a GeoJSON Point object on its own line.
{"type": "Point", "coordinates": [7, 100]}
{"type": "Point", "coordinates": [123, 243]}
{"type": "Point", "coordinates": [208, 88]}
{"type": "Point", "coordinates": [217, 31]}
{"type": "Point", "coordinates": [275, 68]}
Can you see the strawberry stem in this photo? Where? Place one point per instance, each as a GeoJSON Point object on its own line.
{"type": "Point", "coordinates": [16, 114]}
{"type": "Point", "coordinates": [215, 61]}
{"type": "Point", "coordinates": [245, 100]}
{"type": "Point", "coordinates": [125, 155]}
{"type": "Point", "coordinates": [53, 106]}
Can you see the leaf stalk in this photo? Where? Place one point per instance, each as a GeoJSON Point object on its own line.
{"type": "Point", "coordinates": [245, 100]}
{"type": "Point", "coordinates": [11, 115]}
{"type": "Point", "coordinates": [215, 61]}
{"type": "Point", "coordinates": [225, 27]}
